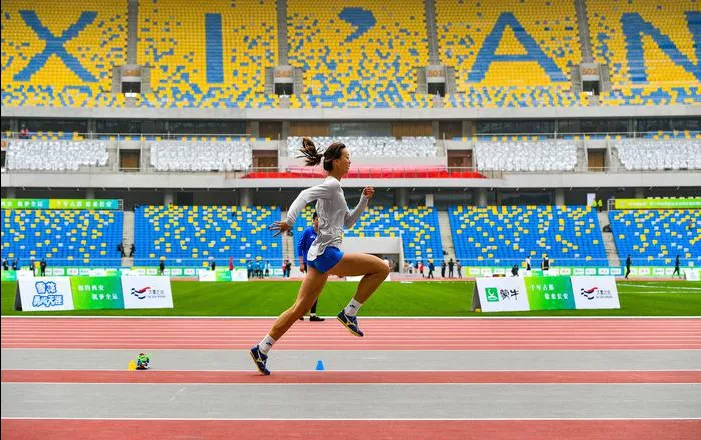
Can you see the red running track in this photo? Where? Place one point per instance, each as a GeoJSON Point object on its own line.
{"type": "Point", "coordinates": [346, 377]}
{"type": "Point", "coordinates": [633, 429]}
{"type": "Point", "coordinates": [380, 334]}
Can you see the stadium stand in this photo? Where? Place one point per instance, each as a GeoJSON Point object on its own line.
{"type": "Point", "coordinates": [364, 55]}
{"type": "Point", "coordinates": [486, 42]}
{"type": "Point", "coordinates": [506, 235]}
{"type": "Point", "coordinates": [55, 155]}
{"type": "Point", "coordinates": [548, 155]}
{"type": "Point", "coordinates": [62, 57]}
{"type": "Point", "coordinates": [421, 237]}
{"type": "Point", "coordinates": [63, 237]}
{"type": "Point", "coordinates": [651, 48]}
{"type": "Point", "coordinates": [190, 235]}
{"type": "Point", "coordinates": [380, 146]}
{"type": "Point", "coordinates": [656, 237]}
{"type": "Point", "coordinates": [208, 53]}
{"type": "Point", "coordinates": [673, 154]}
{"type": "Point", "coordinates": [200, 156]}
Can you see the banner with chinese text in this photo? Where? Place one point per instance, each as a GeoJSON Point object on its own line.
{"type": "Point", "coordinates": [501, 294]}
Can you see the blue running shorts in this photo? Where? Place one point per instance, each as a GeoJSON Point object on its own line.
{"type": "Point", "coordinates": [326, 261]}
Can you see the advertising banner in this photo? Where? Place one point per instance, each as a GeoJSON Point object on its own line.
{"type": "Point", "coordinates": [147, 292]}
{"type": "Point", "coordinates": [8, 275]}
{"type": "Point", "coordinates": [242, 274]}
{"type": "Point", "coordinates": [83, 204]}
{"type": "Point", "coordinates": [92, 293]}
{"type": "Point", "coordinates": [501, 294]}
{"type": "Point", "coordinates": [545, 293]}
{"type": "Point", "coordinates": [44, 294]}
{"type": "Point", "coordinates": [207, 275]}
{"type": "Point", "coordinates": [681, 203]}
{"type": "Point", "coordinates": [549, 293]}
{"type": "Point", "coordinates": [595, 293]}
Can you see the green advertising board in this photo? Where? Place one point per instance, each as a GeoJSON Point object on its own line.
{"type": "Point", "coordinates": [549, 293]}
{"type": "Point", "coordinates": [85, 204]}
{"type": "Point", "coordinates": [90, 293]}
{"type": "Point", "coordinates": [8, 275]}
{"type": "Point", "coordinates": [681, 203]}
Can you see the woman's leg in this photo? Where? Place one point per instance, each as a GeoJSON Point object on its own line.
{"type": "Point", "coordinates": [308, 293]}
{"type": "Point", "coordinates": [374, 269]}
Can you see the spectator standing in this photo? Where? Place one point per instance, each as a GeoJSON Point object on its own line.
{"type": "Point", "coordinates": [628, 263]}
{"type": "Point", "coordinates": [42, 267]}
{"type": "Point", "coordinates": [451, 264]}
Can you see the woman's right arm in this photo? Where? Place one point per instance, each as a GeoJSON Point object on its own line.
{"type": "Point", "coordinates": [307, 196]}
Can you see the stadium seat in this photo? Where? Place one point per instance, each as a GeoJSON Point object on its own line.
{"type": "Point", "coordinates": [542, 155]}
{"type": "Point", "coordinates": [488, 41]}
{"type": "Point", "coordinates": [207, 54]}
{"type": "Point", "coordinates": [87, 40]}
{"type": "Point", "coordinates": [649, 48]}
{"type": "Point", "coordinates": [506, 235]}
{"type": "Point", "coordinates": [656, 237]}
{"type": "Point", "coordinates": [379, 146]}
{"type": "Point", "coordinates": [63, 237]}
{"type": "Point", "coordinates": [200, 156]}
{"type": "Point", "coordinates": [190, 235]}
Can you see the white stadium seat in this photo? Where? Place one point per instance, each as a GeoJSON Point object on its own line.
{"type": "Point", "coordinates": [201, 156]}
{"type": "Point", "coordinates": [544, 155]}
{"type": "Point", "coordinates": [668, 154]}
{"type": "Point", "coordinates": [58, 155]}
{"type": "Point", "coordinates": [381, 146]}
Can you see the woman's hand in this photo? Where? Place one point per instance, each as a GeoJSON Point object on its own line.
{"type": "Point", "coordinates": [368, 192]}
{"type": "Point", "coordinates": [280, 227]}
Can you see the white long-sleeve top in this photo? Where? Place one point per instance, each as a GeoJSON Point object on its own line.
{"type": "Point", "coordinates": [333, 214]}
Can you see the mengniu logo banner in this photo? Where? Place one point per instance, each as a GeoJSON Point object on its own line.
{"type": "Point", "coordinates": [550, 293]}
{"type": "Point", "coordinates": [45, 293]}
{"type": "Point", "coordinates": [501, 294]}
{"type": "Point", "coordinates": [91, 293]}
{"type": "Point", "coordinates": [595, 293]}
{"type": "Point", "coordinates": [147, 292]}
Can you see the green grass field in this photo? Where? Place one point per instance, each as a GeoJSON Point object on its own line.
{"type": "Point", "coordinates": [270, 298]}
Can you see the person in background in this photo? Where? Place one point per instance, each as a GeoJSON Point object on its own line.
{"type": "Point", "coordinates": [15, 264]}
{"type": "Point", "coordinates": [514, 270]}
{"type": "Point", "coordinates": [628, 263]}
{"type": "Point", "coordinates": [451, 263]}
{"type": "Point", "coordinates": [32, 266]}
{"type": "Point", "coordinates": [249, 266]}
{"type": "Point", "coordinates": [458, 266]}
{"type": "Point", "coordinates": [120, 249]}
{"type": "Point", "coordinates": [431, 268]}
{"type": "Point", "coordinates": [5, 264]}
{"type": "Point", "coordinates": [528, 263]}
{"type": "Point", "coordinates": [288, 268]}
{"type": "Point", "coordinates": [132, 250]}
{"type": "Point", "coordinates": [267, 269]}
{"type": "Point", "coordinates": [284, 268]}
{"type": "Point", "coordinates": [212, 264]}
{"type": "Point", "coordinates": [161, 267]}
{"type": "Point", "coordinates": [24, 132]}
{"type": "Point", "coordinates": [305, 242]}
{"type": "Point", "coordinates": [676, 267]}
{"type": "Point", "coordinates": [443, 266]}
{"type": "Point", "coordinates": [421, 269]}
{"type": "Point", "coordinates": [545, 265]}
{"type": "Point", "coordinates": [42, 267]}
{"type": "Point", "coordinates": [231, 264]}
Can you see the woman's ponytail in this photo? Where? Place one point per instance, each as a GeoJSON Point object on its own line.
{"type": "Point", "coordinates": [309, 153]}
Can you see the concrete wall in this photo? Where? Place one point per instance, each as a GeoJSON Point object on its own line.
{"type": "Point", "coordinates": [149, 180]}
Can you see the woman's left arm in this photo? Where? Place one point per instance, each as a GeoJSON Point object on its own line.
{"type": "Point", "coordinates": [353, 216]}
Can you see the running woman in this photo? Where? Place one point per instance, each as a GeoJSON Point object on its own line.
{"type": "Point", "coordinates": [324, 257]}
